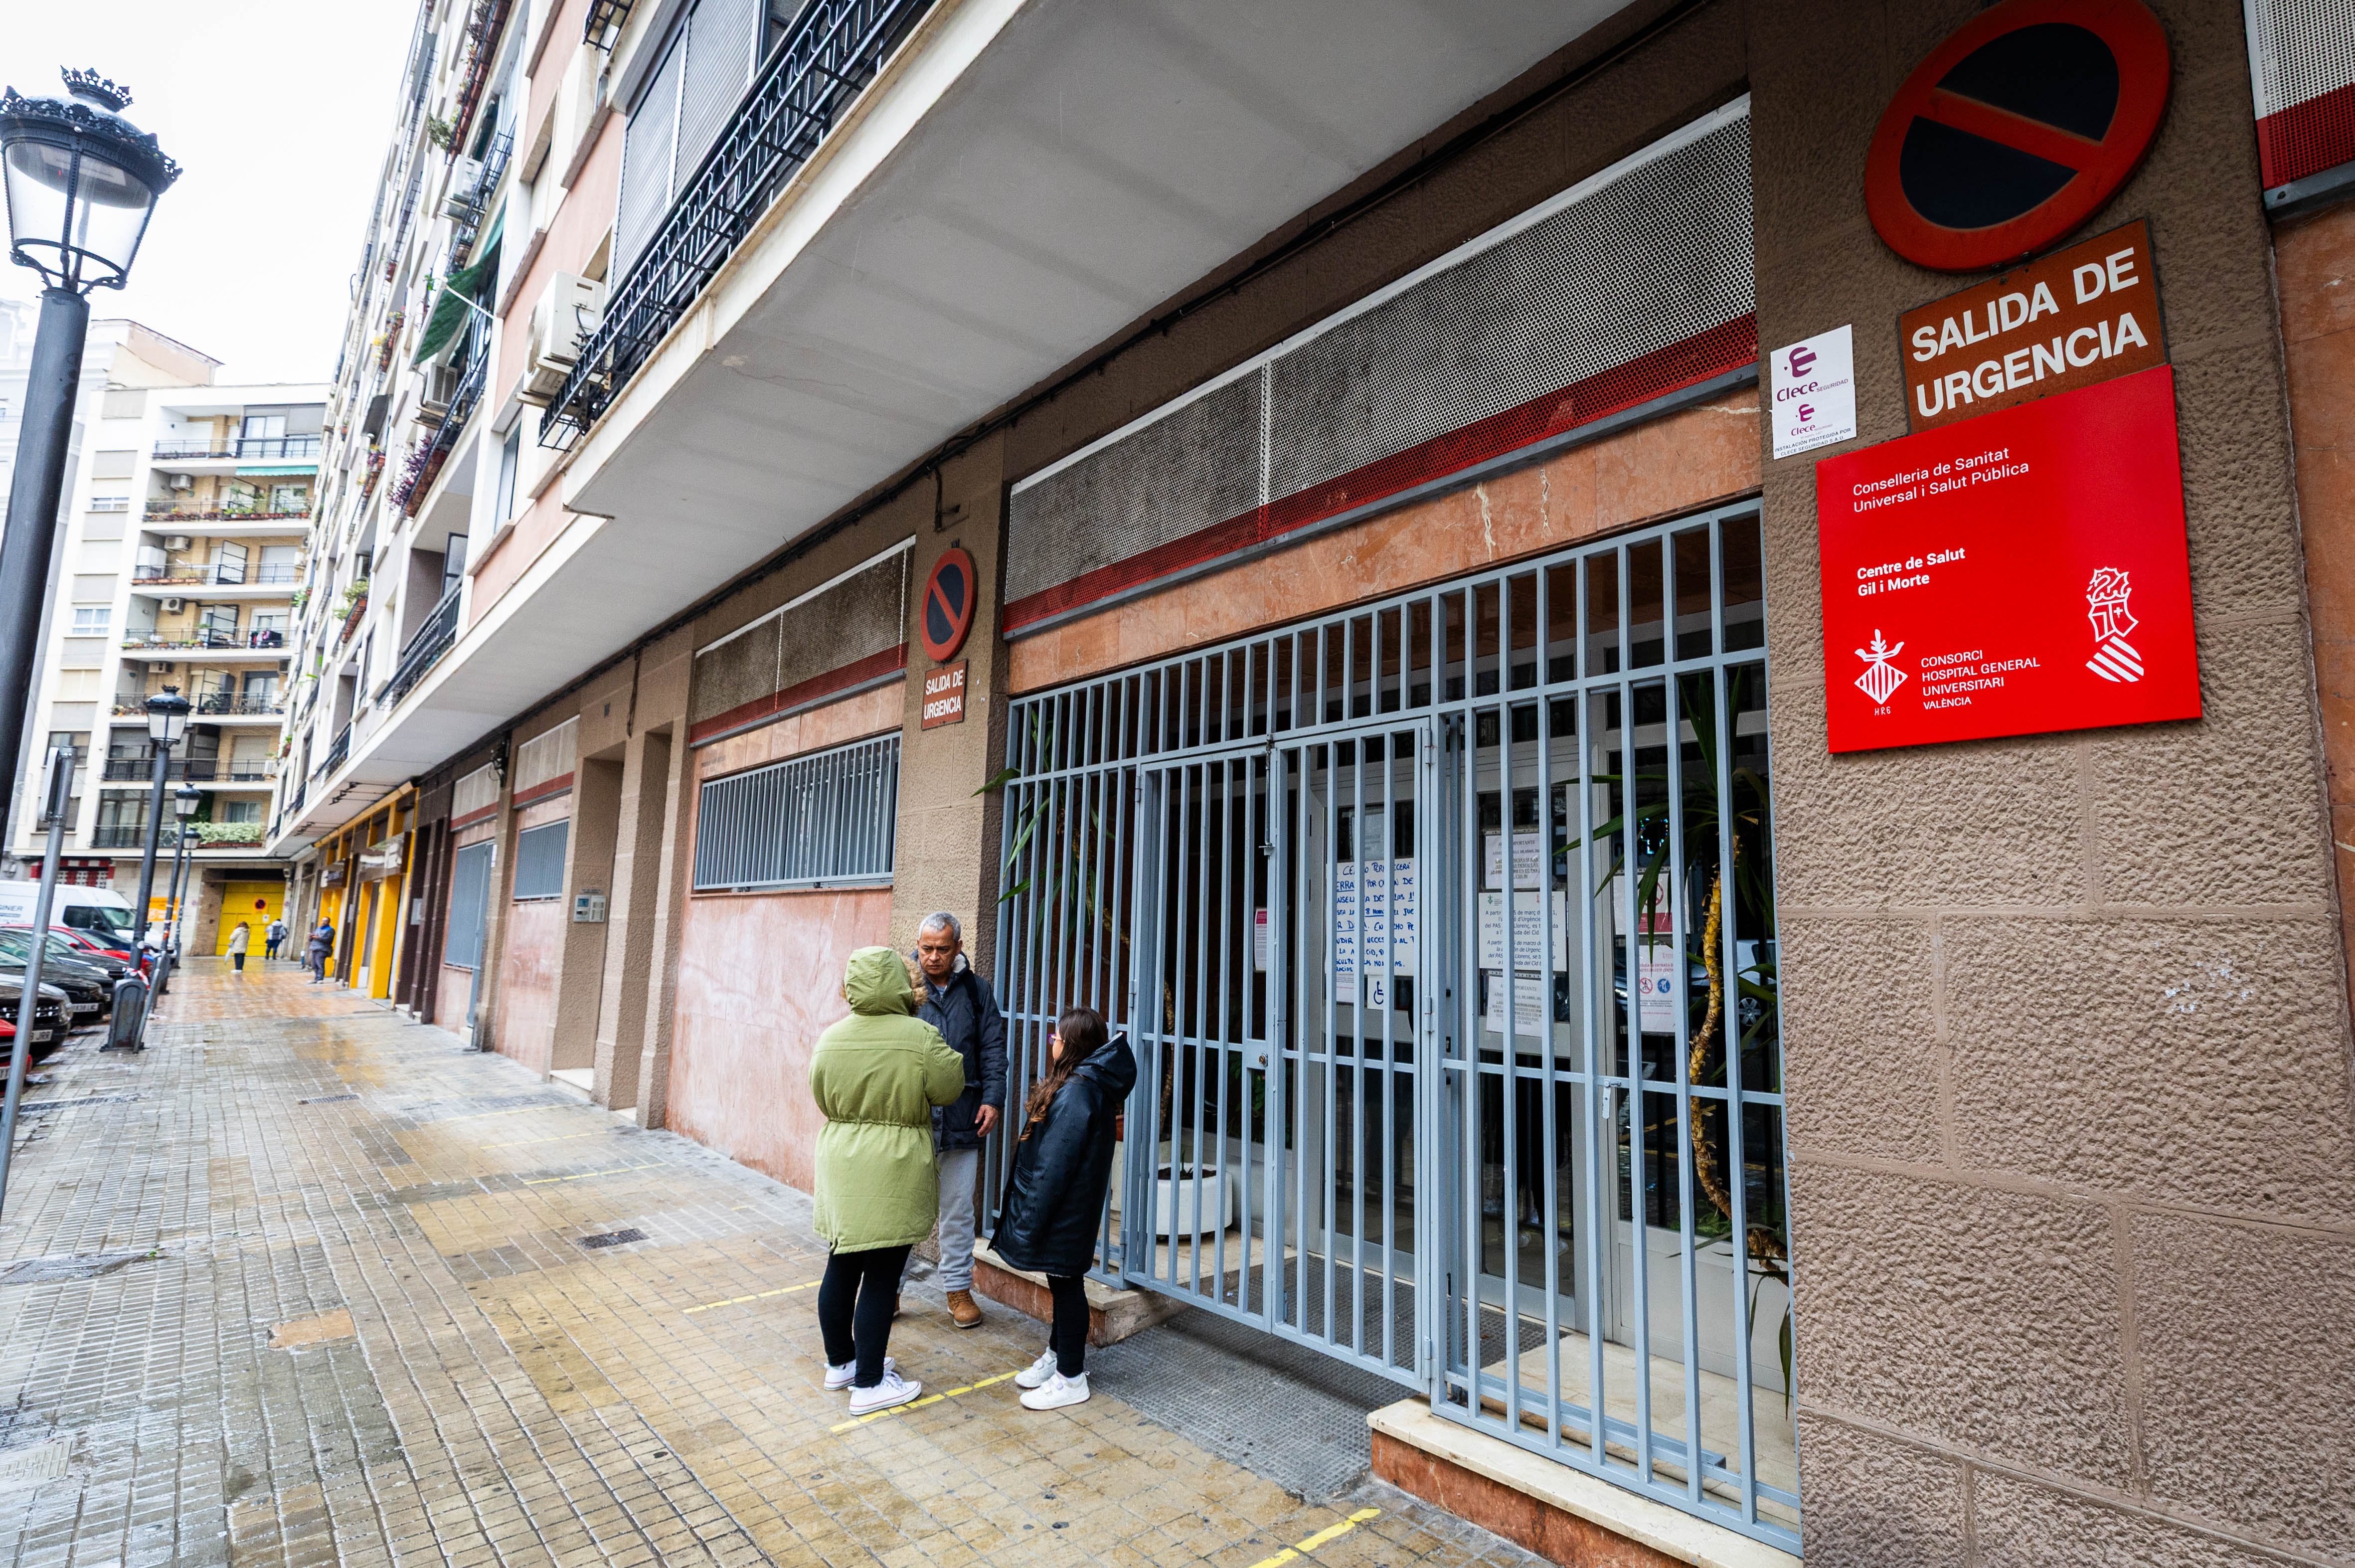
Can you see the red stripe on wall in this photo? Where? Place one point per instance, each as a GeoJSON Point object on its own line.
{"type": "Point", "coordinates": [2309, 137]}
{"type": "Point", "coordinates": [543, 790]}
{"type": "Point", "coordinates": [480, 813]}
{"type": "Point", "coordinates": [1623, 386]}
{"type": "Point", "coordinates": [802, 694]}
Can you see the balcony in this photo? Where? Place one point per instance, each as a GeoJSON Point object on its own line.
{"type": "Point", "coordinates": [339, 750]}
{"type": "Point", "coordinates": [244, 449]}
{"type": "Point", "coordinates": [203, 642]}
{"type": "Point", "coordinates": [834, 49]}
{"type": "Point", "coordinates": [216, 707]}
{"type": "Point", "coordinates": [426, 464]}
{"type": "Point", "coordinates": [217, 574]}
{"type": "Point", "coordinates": [425, 650]}
{"type": "Point", "coordinates": [200, 512]}
{"type": "Point", "coordinates": [195, 770]}
{"type": "Point", "coordinates": [119, 836]}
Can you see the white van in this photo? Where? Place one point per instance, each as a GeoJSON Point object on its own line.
{"type": "Point", "coordinates": [101, 910]}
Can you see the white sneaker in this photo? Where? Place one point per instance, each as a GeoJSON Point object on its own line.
{"type": "Point", "coordinates": [1036, 1374]}
{"type": "Point", "coordinates": [1056, 1392]}
{"type": "Point", "coordinates": [840, 1377]}
{"type": "Point", "coordinates": [894, 1389]}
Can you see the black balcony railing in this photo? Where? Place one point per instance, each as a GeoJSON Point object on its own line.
{"type": "Point", "coordinates": [250, 448]}
{"type": "Point", "coordinates": [425, 650]}
{"type": "Point", "coordinates": [139, 642]}
{"type": "Point", "coordinates": [212, 512]}
{"type": "Point", "coordinates": [215, 574]}
{"type": "Point", "coordinates": [202, 770]}
{"type": "Point", "coordinates": [340, 750]}
{"type": "Point", "coordinates": [833, 50]}
{"type": "Point", "coordinates": [119, 836]}
{"type": "Point", "coordinates": [464, 401]}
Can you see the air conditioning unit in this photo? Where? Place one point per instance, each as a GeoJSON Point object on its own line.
{"type": "Point", "coordinates": [173, 606]}
{"type": "Point", "coordinates": [181, 481]}
{"type": "Point", "coordinates": [152, 561]}
{"type": "Point", "coordinates": [177, 541]}
{"type": "Point", "coordinates": [466, 176]}
{"type": "Point", "coordinates": [572, 308]}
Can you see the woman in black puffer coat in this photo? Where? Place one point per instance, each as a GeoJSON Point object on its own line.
{"type": "Point", "coordinates": [1055, 1199]}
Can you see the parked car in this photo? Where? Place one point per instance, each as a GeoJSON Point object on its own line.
{"type": "Point", "coordinates": [49, 1012]}
{"type": "Point", "coordinates": [117, 949]}
{"type": "Point", "coordinates": [100, 911]}
{"type": "Point", "coordinates": [64, 947]}
{"type": "Point", "coordinates": [90, 991]}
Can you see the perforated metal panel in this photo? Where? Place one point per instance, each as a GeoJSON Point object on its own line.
{"type": "Point", "coordinates": [547, 755]}
{"type": "Point", "coordinates": [1626, 289]}
{"type": "Point", "coordinates": [1193, 467]}
{"type": "Point", "coordinates": [539, 860]}
{"type": "Point", "coordinates": [2302, 67]}
{"type": "Point", "coordinates": [840, 636]}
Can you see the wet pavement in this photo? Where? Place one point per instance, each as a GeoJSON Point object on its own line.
{"type": "Point", "coordinates": [305, 1284]}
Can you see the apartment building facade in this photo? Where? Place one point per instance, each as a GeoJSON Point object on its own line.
{"type": "Point", "coordinates": [188, 510]}
{"type": "Point", "coordinates": [1338, 537]}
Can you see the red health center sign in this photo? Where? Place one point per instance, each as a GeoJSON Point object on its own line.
{"type": "Point", "coordinates": [2017, 573]}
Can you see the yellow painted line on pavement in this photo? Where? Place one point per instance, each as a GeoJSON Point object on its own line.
{"type": "Point", "coordinates": [584, 1176]}
{"type": "Point", "coordinates": [518, 1111]}
{"type": "Point", "coordinates": [918, 1404]}
{"type": "Point", "coordinates": [1330, 1533]}
{"type": "Point", "coordinates": [559, 1139]}
{"type": "Point", "coordinates": [757, 1295]}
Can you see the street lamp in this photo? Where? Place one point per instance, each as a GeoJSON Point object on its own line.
{"type": "Point", "coordinates": [80, 183]}
{"type": "Point", "coordinates": [184, 802]}
{"type": "Point", "coordinates": [168, 718]}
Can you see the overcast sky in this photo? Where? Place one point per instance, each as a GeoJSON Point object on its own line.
{"type": "Point", "coordinates": [278, 112]}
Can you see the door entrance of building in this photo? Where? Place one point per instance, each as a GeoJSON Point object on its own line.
{"type": "Point", "coordinates": [1444, 934]}
{"type": "Point", "coordinates": [1284, 1007]}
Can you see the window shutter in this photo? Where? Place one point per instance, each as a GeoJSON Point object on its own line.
{"type": "Point", "coordinates": [720, 44]}
{"type": "Point", "coordinates": [646, 161]}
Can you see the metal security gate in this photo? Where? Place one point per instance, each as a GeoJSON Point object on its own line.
{"type": "Point", "coordinates": [1436, 926]}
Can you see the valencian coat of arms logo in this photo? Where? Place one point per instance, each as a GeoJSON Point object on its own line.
{"type": "Point", "coordinates": [1880, 677]}
{"type": "Point", "coordinates": [2115, 659]}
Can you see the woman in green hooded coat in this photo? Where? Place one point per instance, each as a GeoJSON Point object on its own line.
{"type": "Point", "coordinates": [876, 1076]}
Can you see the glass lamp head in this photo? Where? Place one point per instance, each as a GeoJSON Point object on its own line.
{"type": "Point", "coordinates": [185, 799]}
{"type": "Point", "coordinates": [167, 716]}
{"type": "Point", "coordinates": [81, 182]}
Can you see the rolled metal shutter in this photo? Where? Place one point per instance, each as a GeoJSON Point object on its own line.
{"type": "Point", "coordinates": [646, 149]}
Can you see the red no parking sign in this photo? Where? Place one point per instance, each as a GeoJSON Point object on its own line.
{"type": "Point", "coordinates": [2016, 130]}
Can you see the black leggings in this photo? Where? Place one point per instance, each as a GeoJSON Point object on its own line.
{"type": "Point", "coordinates": [854, 1303]}
{"type": "Point", "coordinates": [1070, 1336]}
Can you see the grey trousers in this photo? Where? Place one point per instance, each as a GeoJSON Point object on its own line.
{"type": "Point", "coordinates": [960, 1175]}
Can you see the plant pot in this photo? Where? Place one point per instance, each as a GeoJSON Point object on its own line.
{"type": "Point", "coordinates": [1176, 1195]}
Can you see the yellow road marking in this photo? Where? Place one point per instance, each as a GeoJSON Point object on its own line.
{"type": "Point", "coordinates": [518, 1111]}
{"type": "Point", "coordinates": [544, 1180]}
{"type": "Point", "coordinates": [917, 1405]}
{"type": "Point", "coordinates": [561, 1138]}
{"type": "Point", "coordinates": [1330, 1533]}
{"type": "Point", "coordinates": [757, 1295]}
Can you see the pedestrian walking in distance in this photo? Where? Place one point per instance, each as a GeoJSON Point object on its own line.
{"type": "Point", "coordinates": [876, 1076]}
{"type": "Point", "coordinates": [316, 951]}
{"type": "Point", "coordinates": [1055, 1199]}
{"type": "Point", "coordinates": [959, 1004]}
{"type": "Point", "coordinates": [239, 940]}
{"type": "Point", "coordinates": [273, 937]}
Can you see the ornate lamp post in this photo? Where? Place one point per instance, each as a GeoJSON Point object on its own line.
{"type": "Point", "coordinates": [184, 802]}
{"type": "Point", "coordinates": [80, 182]}
{"type": "Point", "coordinates": [167, 719]}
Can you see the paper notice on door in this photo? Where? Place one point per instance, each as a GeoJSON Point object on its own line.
{"type": "Point", "coordinates": [1529, 860]}
{"type": "Point", "coordinates": [1528, 1004]}
{"type": "Point", "coordinates": [1375, 911]}
{"type": "Point", "coordinates": [1259, 939]}
{"type": "Point", "coordinates": [1529, 932]}
{"type": "Point", "coordinates": [1657, 964]}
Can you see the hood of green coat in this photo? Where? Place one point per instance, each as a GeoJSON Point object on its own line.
{"type": "Point", "coordinates": [875, 981]}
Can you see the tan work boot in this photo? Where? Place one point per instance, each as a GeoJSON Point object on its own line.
{"type": "Point", "coordinates": [963, 1310]}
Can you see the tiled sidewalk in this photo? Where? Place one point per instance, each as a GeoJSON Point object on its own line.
{"type": "Point", "coordinates": [306, 1285]}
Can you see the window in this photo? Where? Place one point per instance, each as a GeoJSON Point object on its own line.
{"type": "Point", "coordinates": [470, 890]}
{"type": "Point", "coordinates": [454, 564]}
{"type": "Point", "coordinates": [238, 811]}
{"type": "Point", "coordinates": [264, 427]}
{"type": "Point", "coordinates": [509, 454]}
{"type": "Point", "coordinates": [681, 111]}
{"type": "Point", "coordinates": [92, 620]}
{"type": "Point", "coordinates": [815, 821]}
{"type": "Point", "coordinates": [109, 503]}
{"type": "Point", "coordinates": [539, 860]}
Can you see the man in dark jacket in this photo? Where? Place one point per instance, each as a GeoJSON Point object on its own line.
{"type": "Point", "coordinates": [959, 1004]}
